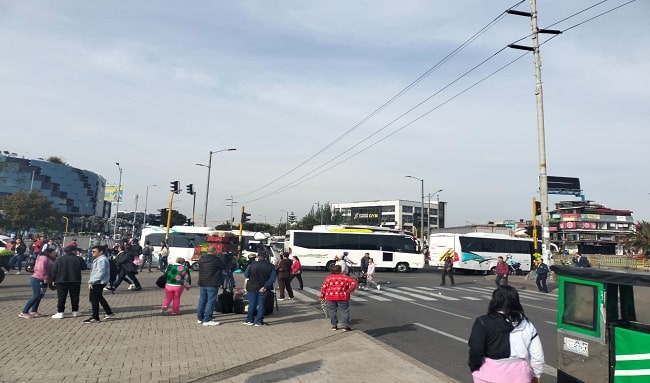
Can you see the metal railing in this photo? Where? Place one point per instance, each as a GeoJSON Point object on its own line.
{"type": "Point", "coordinates": [608, 261]}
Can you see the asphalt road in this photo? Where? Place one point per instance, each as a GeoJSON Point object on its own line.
{"type": "Point", "coordinates": [414, 314]}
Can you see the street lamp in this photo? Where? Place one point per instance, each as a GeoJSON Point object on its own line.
{"type": "Point", "coordinates": [429, 211]}
{"type": "Point", "coordinates": [207, 188]}
{"type": "Point", "coordinates": [119, 188]}
{"type": "Point", "coordinates": [287, 224]}
{"type": "Point", "coordinates": [231, 204]}
{"type": "Point", "coordinates": [422, 207]}
{"type": "Point", "coordinates": [146, 199]}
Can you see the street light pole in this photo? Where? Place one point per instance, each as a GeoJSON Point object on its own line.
{"type": "Point", "coordinates": [287, 224]}
{"type": "Point", "coordinates": [207, 187]}
{"type": "Point", "coordinates": [117, 209]}
{"type": "Point", "coordinates": [135, 214]}
{"type": "Point", "coordinates": [429, 210]}
{"type": "Point", "coordinates": [422, 209]}
{"type": "Point", "coordinates": [231, 204]}
{"type": "Point", "coordinates": [146, 199]}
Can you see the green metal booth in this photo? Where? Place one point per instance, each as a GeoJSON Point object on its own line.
{"type": "Point", "coordinates": [603, 325]}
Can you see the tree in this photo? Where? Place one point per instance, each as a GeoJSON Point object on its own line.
{"type": "Point", "coordinates": [25, 210]}
{"type": "Point", "coordinates": [639, 241]}
{"type": "Point", "coordinates": [56, 160]}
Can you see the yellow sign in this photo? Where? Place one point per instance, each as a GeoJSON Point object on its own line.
{"type": "Point", "coordinates": [110, 193]}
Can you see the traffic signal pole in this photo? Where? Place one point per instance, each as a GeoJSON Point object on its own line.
{"type": "Point", "coordinates": [169, 215]}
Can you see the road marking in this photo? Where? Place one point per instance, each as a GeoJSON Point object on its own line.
{"type": "Point", "coordinates": [399, 297]}
{"type": "Point", "coordinates": [549, 322]}
{"type": "Point", "coordinates": [372, 296]}
{"type": "Point", "coordinates": [548, 370]}
{"type": "Point", "coordinates": [353, 297]}
{"type": "Point", "coordinates": [437, 295]}
{"type": "Point", "coordinates": [471, 298]}
{"type": "Point", "coordinates": [441, 311]}
{"type": "Point", "coordinates": [539, 307]}
{"type": "Point", "coordinates": [415, 293]}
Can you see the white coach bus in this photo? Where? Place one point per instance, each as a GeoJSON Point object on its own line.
{"type": "Point", "coordinates": [390, 249]}
{"type": "Point", "coordinates": [479, 251]}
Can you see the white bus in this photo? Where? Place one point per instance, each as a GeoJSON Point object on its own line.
{"type": "Point", "coordinates": [388, 249]}
{"type": "Point", "coordinates": [479, 251]}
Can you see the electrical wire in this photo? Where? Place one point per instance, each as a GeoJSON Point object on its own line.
{"type": "Point", "coordinates": [310, 175]}
{"type": "Point", "coordinates": [391, 100]}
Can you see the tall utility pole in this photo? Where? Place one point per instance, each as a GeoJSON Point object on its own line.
{"type": "Point", "coordinates": [207, 184]}
{"type": "Point", "coordinates": [422, 209]}
{"type": "Point", "coordinates": [146, 199]}
{"type": "Point", "coordinates": [118, 196]}
{"type": "Point", "coordinates": [231, 204]}
{"type": "Point", "coordinates": [135, 213]}
{"type": "Point", "coordinates": [541, 138]}
{"type": "Point", "coordinates": [436, 193]}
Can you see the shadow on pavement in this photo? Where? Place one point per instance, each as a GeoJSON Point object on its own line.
{"type": "Point", "coordinates": [285, 373]}
{"type": "Point", "coordinates": [377, 332]}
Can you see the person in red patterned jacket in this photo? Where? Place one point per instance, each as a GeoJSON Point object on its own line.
{"type": "Point", "coordinates": [336, 290]}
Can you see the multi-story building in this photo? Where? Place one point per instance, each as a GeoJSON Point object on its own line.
{"type": "Point", "coordinates": [589, 227]}
{"type": "Point", "coordinates": [73, 191]}
{"type": "Point", "coordinates": [397, 214]}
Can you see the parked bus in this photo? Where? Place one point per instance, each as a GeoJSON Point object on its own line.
{"type": "Point", "coordinates": [388, 249]}
{"type": "Point", "coordinates": [479, 251]}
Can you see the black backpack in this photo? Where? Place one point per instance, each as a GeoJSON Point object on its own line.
{"type": "Point", "coordinates": [146, 250]}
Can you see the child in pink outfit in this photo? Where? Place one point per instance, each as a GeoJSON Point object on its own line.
{"type": "Point", "coordinates": [178, 279]}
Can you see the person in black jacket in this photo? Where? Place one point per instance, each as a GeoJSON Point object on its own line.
{"type": "Point", "coordinates": [211, 269]}
{"type": "Point", "coordinates": [67, 280]}
{"type": "Point", "coordinates": [126, 269]}
{"type": "Point", "coordinates": [260, 277]}
{"type": "Point", "coordinates": [284, 276]}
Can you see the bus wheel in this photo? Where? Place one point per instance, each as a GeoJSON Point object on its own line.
{"type": "Point", "coordinates": [329, 265]}
{"type": "Point", "coordinates": [195, 266]}
{"type": "Point", "coordinates": [402, 267]}
{"type": "Point", "coordinates": [493, 271]}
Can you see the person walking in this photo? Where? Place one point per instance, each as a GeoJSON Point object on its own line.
{"type": "Point", "coordinates": [163, 255]}
{"type": "Point", "coordinates": [370, 274]}
{"type": "Point", "coordinates": [178, 279]}
{"type": "Point", "coordinates": [296, 271]}
{"type": "Point", "coordinates": [211, 269]}
{"type": "Point", "coordinates": [339, 261]}
{"type": "Point", "coordinates": [504, 345]}
{"type": "Point", "coordinates": [19, 256]}
{"type": "Point", "coordinates": [336, 290]}
{"type": "Point", "coordinates": [580, 260]}
{"type": "Point", "coordinates": [126, 269]}
{"type": "Point", "coordinates": [284, 276]}
{"type": "Point", "coordinates": [99, 277]}
{"type": "Point", "coordinates": [67, 280]}
{"type": "Point", "coordinates": [348, 263]}
{"type": "Point", "coordinates": [260, 276]}
{"type": "Point", "coordinates": [502, 270]}
{"type": "Point", "coordinates": [542, 275]}
{"type": "Point", "coordinates": [43, 272]}
{"type": "Point", "coordinates": [448, 267]}
{"type": "Point", "coordinates": [147, 256]}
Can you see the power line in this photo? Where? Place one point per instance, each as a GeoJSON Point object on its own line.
{"type": "Point", "coordinates": [391, 100]}
{"type": "Point", "coordinates": [311, 174]}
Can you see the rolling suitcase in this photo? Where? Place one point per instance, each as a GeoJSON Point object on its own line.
{"type": "Point", "coordinates": [240, 302]}
{"type": "Point", "coordinates": [225, 300]}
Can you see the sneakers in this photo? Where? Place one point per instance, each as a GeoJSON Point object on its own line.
{"type": "Point", "coordinates": [24, 315]}
{"type": "Point", "coordinates": [91, 320]}
{"type": "Point", "coordinates": [34, 314]}
{"type": "Point", "coordinates": [248, 323]}
{"type": "Point", "coordinates": [57, 316]}
{"type": "Point", "coordinates": [199, 321]}
{"type": "Point", "coordinates": [17, 272]}
{"type": "Point", "coordinates": [163, 310]}
{"type": "Point", "coordinates": [109, 316]}
{"type": "Point", "coordinates": [76, 314]}
{"type": "Point", "coordinates": [346, 329]}
{"type": "Point", "coordinates": [280, 299]}
{"type": "Point", "coordinates": [131, 287]}
{"type": "Point", "coordinates": [379, 287]}
{"type": "Point", "coordinates": [260, 324]}
{"type": "Point", "coordinates": [138, 289]}
{"type": "Point", "coordinates": [334, 328]}
{"type": "Point", "coordinates": [211, 323]}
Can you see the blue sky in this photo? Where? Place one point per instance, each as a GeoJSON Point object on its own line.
{"type": "Point", "coordinates": [157, 85]}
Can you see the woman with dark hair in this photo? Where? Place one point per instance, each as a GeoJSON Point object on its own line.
{"type": "Point", "coordinates": [163, 254]}
{"type": "Point", "coordinates": [296, 271]}
{"type": "Point", "coordinates": [504, 345]}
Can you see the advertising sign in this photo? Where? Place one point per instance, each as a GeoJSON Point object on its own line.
{"type": "Point", "coordinates": [111, 195]}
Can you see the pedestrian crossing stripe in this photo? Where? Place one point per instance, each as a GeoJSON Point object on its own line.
{"type": "Point", "coordinates": [424, 293]}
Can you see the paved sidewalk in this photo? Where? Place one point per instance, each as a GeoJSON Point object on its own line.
{"type": "Point", "coordinates": [140, 345]}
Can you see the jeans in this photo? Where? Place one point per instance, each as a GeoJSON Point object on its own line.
{"type": "Point", "coordinates": [173, 295]}
{"type": "Point", "coordinates": [333, 306]}
{"type": "Point", "coordinates": [447, 272]}
{"type": "Point", "coordinates": [284, 281]}
{"type": "Point", "coordinates": [501, 277]}
{"type": "Point", "coordinates": [162, 263]}
{"type": "Point", "coordinates": [299, 278]}
{"type": "Point", "coordinates": [96, 297]}
{"type": "Point", "coordinates": [16, 259]}
{"type": "Point", "coordinates": [255, 307]}
{"type": "Point", "coordinates": [541, 283]}
{"type": "Point", "coordinates": [62, 291]}
{"type": "Point", "coordinates": [38, 291]}
{"type": "Point", "coordinates": [207, 300]}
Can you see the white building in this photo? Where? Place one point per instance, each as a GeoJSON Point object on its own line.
{"type": "Point", "coordinates": [396, 214]}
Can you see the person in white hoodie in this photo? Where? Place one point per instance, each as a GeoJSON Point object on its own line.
{"type": "Point", "coordinates": [504, 345]}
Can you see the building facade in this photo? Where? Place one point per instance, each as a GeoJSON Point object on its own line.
{"type": "Point", "coordinates": [396, 214]}
{"type": "Point", "coordinates": [73, 191]}
{"type": "Point", "coordinates": [589, 227]}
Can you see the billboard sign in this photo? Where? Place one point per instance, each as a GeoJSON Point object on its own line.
{"type": "Point", "coordinates": [563, 185]}
{"type": "Point", "coordinates": [111, 195]}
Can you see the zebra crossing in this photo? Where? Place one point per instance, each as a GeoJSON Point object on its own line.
{"type": "Point", "coordinates": [424, 293]}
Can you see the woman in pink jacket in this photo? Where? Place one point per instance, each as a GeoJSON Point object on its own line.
{"type": "Point", "coordinates": [43, 269]}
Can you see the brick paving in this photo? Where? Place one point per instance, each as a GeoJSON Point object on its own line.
{"type": "Point", "coordinates": [141, 345]}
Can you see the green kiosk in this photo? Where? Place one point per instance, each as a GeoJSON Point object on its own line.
{"type": "Point", "coordinates": [603, 325]}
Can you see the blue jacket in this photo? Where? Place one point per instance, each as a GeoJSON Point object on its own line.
{"type": "Point", "coordinates": [101, 271]}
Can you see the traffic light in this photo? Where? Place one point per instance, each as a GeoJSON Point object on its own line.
{"type": "Point", "coordinates": [190, 189]}
{"type": "Point", "coordinates": [175, 187]}
{"type": "Point", "coordinates": [538, 208]}
{"type": "Point", "coordinates": [244, 217]}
